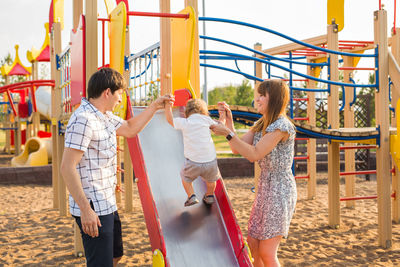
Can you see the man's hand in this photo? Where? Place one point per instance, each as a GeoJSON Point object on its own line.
{"type": "Point", "coordinates": [90, 222]}
{"type": "Point", "coordinates": [162, 101]}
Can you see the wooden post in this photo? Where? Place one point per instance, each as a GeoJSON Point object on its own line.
{"type": "Point", "coordinates": [91, 38]}
{"type": "Point", "coordinates": [395, 98]}
{"type": "Point", "coordinates": [128, 168]}
{"type": "Point", "coordinates": [77, 11]}
{"type": "Point", "coordinates": [17, 136]}
{"type": "Point", "coordinates": [349, 154]}
{"type": "Point", "coordinates": [78, 245]}
{"type": "Point", "coordinates": [118, 194]}
{"type": "Point", "coordinates": [312, 142]}
{"type": "Point", "coordinates": [165, 50]}
{"type": "Point", "coordinates": [382, 121]}
{"type": "Point", "coordinates": [128, 178]}
{"type": "Point", "coordinates": [258, 72]}
{"type": "Point", "coordinates": [6, 123]}
{"type": "Point", "coordinates": [333, 122]}
{"type": "Point", "coordinates": [55, 49]}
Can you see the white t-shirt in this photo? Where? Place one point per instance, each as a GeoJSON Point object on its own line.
{"type": "Point", "coordinates": [197, 141]}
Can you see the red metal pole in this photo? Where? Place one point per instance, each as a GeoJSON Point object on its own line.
{"type": "Point", "coordinates": [301, 157]}
{"type": "Point", "coordinates": [357, 147]}
{"type": "Point", "coordinates": [358, 172]}
{"type": "Point", "coordinates": [157, 14]}
{"type": "Point", "coordinates": [11, 102]}
{"type": "Point", "coordinates": [355, 68]}
{"type": "Point", "coordinates": [302, 177]}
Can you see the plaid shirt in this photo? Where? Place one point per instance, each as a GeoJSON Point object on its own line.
{"type": "Point", "coordinates": [94, 133]}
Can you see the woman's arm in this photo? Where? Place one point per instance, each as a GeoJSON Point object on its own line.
{"type": "Point", "coordinates": [244, 146]}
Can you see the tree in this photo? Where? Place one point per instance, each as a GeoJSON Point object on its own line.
{"type": "Point", "coordinates": [244, 94]}
{"type": "Point", "coordinates": [233, 94]}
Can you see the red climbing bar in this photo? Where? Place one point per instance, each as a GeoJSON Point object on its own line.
{"type": "Point", "coordinates": [357, 198]}
{"type": "Point", "coordinates": [301, 157]}
{"type": "Point", "coordinates": [359, 42]}
{"type": "Point", "coordinates": [157, 14]}
{"type": "Point", "coordinates": [301, 99]}
{"type": "Point", "coordinates": [355, 68]}
{"type": "Point", "coordinates": [302, 177]}
{"type": "Point", "coordinates": [301, 138]}
{"type": "Point", "coordinates": [364, 197]}
{"type": "Point", "coordinates": [358, 172]}
{"type": "Point", "coordinates": [301, 119]}
{"type": "Point", "coordinates": [357, 147]}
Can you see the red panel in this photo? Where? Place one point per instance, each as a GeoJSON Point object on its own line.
{"type": "Point", "coordinates": [45, 55]}
{"type": "Point", "coordinates": [51, 16]}
{"type": "Point", "coordinates": [181, 97]}
{"type": "Point", "coordinates": [78, 67]}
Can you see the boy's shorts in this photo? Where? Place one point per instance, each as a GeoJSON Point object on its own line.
{"type": "Point", "coordinates": [101, 250]}
{"type": "Point", "coordinates": [208, 171]}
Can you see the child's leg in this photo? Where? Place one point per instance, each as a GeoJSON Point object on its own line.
{"type": "Point", "coordinates": [210, 188]}
{"type": "Point", "coordinates": [188, 187]}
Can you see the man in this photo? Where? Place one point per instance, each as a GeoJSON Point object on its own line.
{"type": "Point", "coordinates": [89, 164]}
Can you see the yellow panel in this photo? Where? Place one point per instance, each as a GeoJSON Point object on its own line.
{"type": "Point", "coordinates": [117, 37]}
{"type": "Point", "coordinates": [58, 11]}
{"type": "Point", "coordinates": [185, 58]}
{"type": "Point", "coordinates": [336, 12]}
{"type": "Point", "coordinates": [317, 70]}
{"type": "Point", "coordinates": [117, 48]}
{"type": "Point", "coordinates": [110, 5]}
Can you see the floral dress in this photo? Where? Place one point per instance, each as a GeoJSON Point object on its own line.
{"type": "Point", "coordinates": [276, 197]}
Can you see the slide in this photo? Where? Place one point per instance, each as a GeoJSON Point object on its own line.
{"type": "Point", "coordinates": [187, 236]}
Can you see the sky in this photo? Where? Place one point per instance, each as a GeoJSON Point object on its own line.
{"type": "Point", "coordinates": [22, 23]}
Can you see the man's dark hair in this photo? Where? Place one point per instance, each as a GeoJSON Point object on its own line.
{"type": "Point", "coordinates": [103, 79]}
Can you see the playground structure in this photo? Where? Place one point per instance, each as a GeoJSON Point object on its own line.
{"type": "Point", "coordinates": [315, 54]}
{"type": "Point", "coordinates": [23, 105]}
{"type": "Point", "coordinates": [73, 65]}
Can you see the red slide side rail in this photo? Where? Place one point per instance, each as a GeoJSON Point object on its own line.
{"type": "Point", "coordinates": [146, 196]}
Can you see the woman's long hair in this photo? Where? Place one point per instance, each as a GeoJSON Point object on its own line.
{"type": "Point", "coordinates": [278, 92]}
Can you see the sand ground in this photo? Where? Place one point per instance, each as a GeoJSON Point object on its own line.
{"type": "Point", "coordinates": [33, 234]}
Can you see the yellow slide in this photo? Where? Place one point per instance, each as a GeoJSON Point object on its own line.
{"type": "Point", "coordinates": [37, 152]}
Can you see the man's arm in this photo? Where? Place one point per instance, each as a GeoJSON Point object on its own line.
{"type": "Point", "coordinates": [134, 125]}
{"type": "Point", "coordinates": [89, 218]}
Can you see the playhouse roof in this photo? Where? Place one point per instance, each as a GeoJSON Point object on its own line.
{"type": "Point", "coordinates": [17, 68]}
{"type": "Point", "coordinates": [43, 54]}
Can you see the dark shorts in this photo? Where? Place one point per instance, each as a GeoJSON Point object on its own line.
{"type": "Point", "coordinates": [101, 250]}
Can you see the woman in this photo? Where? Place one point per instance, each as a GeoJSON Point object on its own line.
{"type": "Point", "coordinates": [270, 142]}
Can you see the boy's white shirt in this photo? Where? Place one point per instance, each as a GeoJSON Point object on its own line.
{"type": "Point", "coordinates": [198, 144]}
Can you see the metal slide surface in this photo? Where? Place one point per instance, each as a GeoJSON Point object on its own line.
{"type": "Point", "coordinates": [196, 235]}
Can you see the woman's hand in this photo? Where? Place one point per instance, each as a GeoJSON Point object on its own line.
{"type": "Point", "coordinates": [223, 107]}
{"type": "Point", "coordinates": [220, 129]}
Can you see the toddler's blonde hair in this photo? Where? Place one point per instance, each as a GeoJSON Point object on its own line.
{"type": "Point", "coordinates": [196, 106]}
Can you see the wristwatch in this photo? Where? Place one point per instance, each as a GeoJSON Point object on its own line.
{"type": "Point", "coordinates": [229, 136]}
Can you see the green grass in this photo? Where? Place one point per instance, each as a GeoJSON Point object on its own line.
{"type": "Point", "coordinates": [221, 144]}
